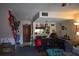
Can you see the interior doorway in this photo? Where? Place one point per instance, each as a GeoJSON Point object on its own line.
{"type": "Point", "coordinates": [26, 34]}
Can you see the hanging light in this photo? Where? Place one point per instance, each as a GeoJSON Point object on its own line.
{"type": "Point", "coordinates": [64, 4]}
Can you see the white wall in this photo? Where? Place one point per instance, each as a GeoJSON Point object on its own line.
{"type": "Point", "coordinates": [5, 29]}
{"type": "Point", "coordinates": [70, 30]}
{"type": "Point", "coordinates": [61, 15]}
{"type": "Point", "coordinates": [58, 29]}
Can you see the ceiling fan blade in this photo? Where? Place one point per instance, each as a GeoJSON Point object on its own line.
{"type": "Point", "coordinates": [64, 4]}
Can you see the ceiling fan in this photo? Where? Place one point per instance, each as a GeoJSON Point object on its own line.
{"type": "Point", "coordinates": [65, 4]}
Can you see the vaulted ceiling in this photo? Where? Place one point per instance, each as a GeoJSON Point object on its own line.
{"type": "Point", "coordinates": [26, 11]}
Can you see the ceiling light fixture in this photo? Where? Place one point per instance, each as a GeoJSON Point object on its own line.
{"type": "Point", "coordinates": [65, 4]}
{"type": "Point", "coordinates": [76, 23]}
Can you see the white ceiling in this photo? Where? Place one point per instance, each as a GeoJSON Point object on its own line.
{"type": "Point", "coordinates": [26, 11]}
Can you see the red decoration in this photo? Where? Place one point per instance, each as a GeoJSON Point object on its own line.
{"type": "Point", "coordinates": [38, 42]}
{"type": "Point", "coordinates": [11, 22]}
